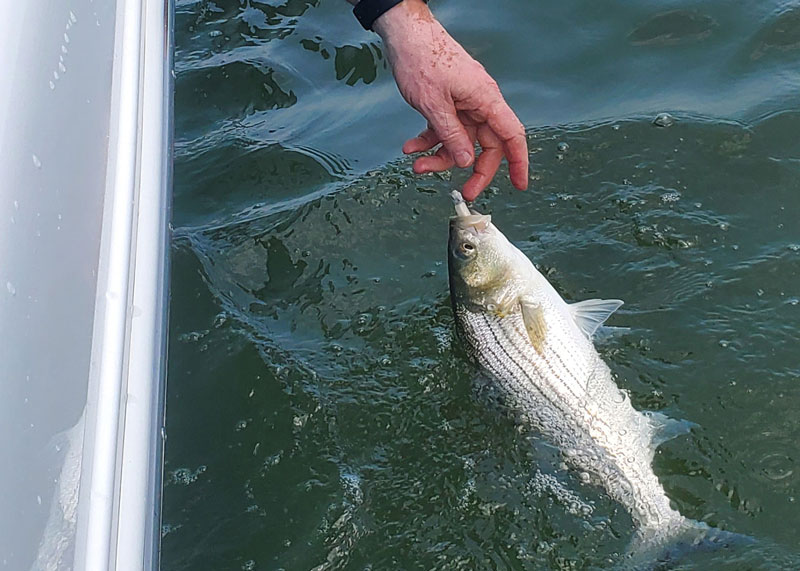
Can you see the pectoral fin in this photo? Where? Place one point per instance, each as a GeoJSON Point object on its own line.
{"type": "Point", "coordinates": [535, 325]}
{"type": "Point", "coordinates": [591, 313]}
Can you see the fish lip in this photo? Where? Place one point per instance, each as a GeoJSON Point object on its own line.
{"type": "Point", "coordinates": [467, 219]}
{"type": "Point", "coordinates": [479, 223]}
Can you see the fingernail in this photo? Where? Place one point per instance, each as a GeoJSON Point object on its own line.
{"type": "Point", "coordinates": [463, 158]}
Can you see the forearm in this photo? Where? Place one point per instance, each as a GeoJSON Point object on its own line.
{"type": "Point", "coordinates": [460, 101]}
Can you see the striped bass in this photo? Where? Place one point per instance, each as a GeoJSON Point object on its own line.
{"type": "Point", "coordinates": [538, 351]}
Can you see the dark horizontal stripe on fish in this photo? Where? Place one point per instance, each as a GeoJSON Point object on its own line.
{"type": "Point", "coordinates": [582, 399]}
{"type": "Point", "coordinates": [554, 404]}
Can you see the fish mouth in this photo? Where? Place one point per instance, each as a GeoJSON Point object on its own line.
{"type": "Point", "coordinates": [466, 218]}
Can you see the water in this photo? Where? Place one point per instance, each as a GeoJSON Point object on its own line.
{"type": "Point", "coordinates": [320, 413]}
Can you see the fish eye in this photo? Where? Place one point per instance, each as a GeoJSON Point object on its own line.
{"type": "Point", "coordinates": [467, 248]}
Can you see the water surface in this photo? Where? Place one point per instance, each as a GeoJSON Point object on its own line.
{"type": "Point", "coordinates": [321, 414]}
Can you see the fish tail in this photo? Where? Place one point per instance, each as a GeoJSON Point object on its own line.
{"type": "Point", "coordinates": [660, 548]}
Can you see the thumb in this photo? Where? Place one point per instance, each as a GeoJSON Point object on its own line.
{"type": "Point", "coordinates": [453, 135]}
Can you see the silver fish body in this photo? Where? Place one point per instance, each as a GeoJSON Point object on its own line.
{"type": "Point", "coordinates": [537, 351]}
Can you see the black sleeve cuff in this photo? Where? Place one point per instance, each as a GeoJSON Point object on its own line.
{"type": "Point", "coordinates": [367, 11]}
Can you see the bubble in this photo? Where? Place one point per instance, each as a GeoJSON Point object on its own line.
{"type": "Point", "coordinates": [664, 120]}
{"type": "Point", "coordinates": [584, 476]}
{"type": "Point", "coordinates": [724, 343]}
{"type": "Point", "coordinates": [168, 528]}
{"type": "Point", "coordinates": [249, 565]}
{"type": "Point", "coordinates": [214, 34]}
{"type": "Point", "coordinates": [185, 476]}
{"type": "Point", "coordinates": [36, 162]}
{"type": "Point", "coordinates": [793, 301]}
{"type": "Point", "coordinates": [11, 289]}
{"type": "Point", "coordinates": [672, 196]}
{"type": "Point", "coordinates": [52, 85]}
{"type": "Point", "coordinates": [66, 38]}
{"type": "Point", "coordinates": [562, 147]}
{"type": "Point", "coordinates": [776, 467]}
{"type": "Point", "coordinates": [794, 247]}
{"type": "Point", "coordinates": [220, 319]}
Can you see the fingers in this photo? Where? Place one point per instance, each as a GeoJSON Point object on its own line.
{"type": "Point", "coordinates": [486, 164]}
{"type": "Point", "coordinates": [498, 132]}
{"type": "Point", "coordinates": [442, 160]}
{"type": "Point", "coordinates": [517, 154]}
{"type": "Point", "coordinates": [453, 135]}
{"type": "Point", "coordinates": [425, 141]}
{"type": "Point", "coordinates": [511, 132]}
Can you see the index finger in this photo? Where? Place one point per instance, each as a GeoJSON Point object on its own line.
{"type": "Point", "coordinates": [508, 129]}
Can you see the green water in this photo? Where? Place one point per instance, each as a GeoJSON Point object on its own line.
{"type": "Point", "coordinates": [321, 414]}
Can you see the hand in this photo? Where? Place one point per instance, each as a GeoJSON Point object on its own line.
{"type": "Point", "coordinates": [461, 102]}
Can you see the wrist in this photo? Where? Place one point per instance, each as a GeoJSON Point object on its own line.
{"type": "Point", "coordinates": [402, 19]}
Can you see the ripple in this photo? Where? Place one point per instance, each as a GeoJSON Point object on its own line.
{"type": "Point", "coordinates": [776, 467]}
{"type": "Point", "coordinates": [232, 90]}
{"type": "Point", "coordinates": [782, 33]}
{"type": "Point", "coordinates": [360, 398]}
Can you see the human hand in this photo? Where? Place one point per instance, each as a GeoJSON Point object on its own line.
{"type": "Point", "coordinates": [461, 102]}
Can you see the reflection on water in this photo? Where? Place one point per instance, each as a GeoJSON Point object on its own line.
{"type": "Point", "coordinates": [321, 414]}
{"type": "Point", "coordinates": [781, 34]}
{"type": "Point", "coordinates": [676, 26]}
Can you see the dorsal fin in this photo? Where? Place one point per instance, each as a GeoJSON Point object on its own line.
{"type": "Point", "coordinates": [591, 313]}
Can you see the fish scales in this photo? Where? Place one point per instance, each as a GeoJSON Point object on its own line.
{"type": "Point", "coordinates": [538, 352]}
{"type": "Point", "coordinates": [534, 385]}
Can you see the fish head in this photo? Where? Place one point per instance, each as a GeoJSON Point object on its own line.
{"type": "Point", "coordinates": [481, 260]}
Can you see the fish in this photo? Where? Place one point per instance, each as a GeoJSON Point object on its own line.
{"type": "Point", "coordinates": [537, 351]}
